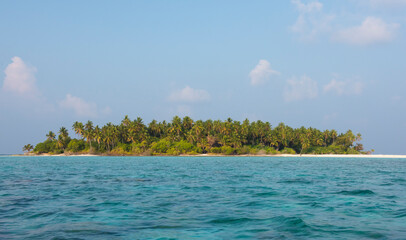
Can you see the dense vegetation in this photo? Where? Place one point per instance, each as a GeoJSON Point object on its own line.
{"type": "Point", "coordinates": [185, 136]}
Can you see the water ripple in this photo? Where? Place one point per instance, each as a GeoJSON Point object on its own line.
{"type": "Point", "coordinates": [201, 198]}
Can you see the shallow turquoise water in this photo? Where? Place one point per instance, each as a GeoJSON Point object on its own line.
{"type": "Point", "coordinates": [202, 198]}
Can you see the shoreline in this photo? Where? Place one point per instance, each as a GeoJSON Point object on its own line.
{"type": "Point", "coordinates": [219, 155]}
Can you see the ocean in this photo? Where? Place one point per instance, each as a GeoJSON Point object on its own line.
{"type": "Point", "coordinates": [202, 198]}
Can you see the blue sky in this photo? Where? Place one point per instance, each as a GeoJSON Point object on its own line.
{"type": "Point", "coordinates": [324, 64]}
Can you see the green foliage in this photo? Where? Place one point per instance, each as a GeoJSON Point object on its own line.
{"type": "Point", "coordinates": [186, 136]}
{"type": "Point", "coordinates": [253, 151]}
{"type": "Point", "coordinates": [28, 148]}
{"type": "Point", "coordinates": [184, 147]}
{"type": "Point", "coordinates": [352, 151]}
{"type": "Point", "coordinates": [272, 151]}
{"type": "Point", "coordinates": [162, 146]}
{"type": "Point", "coordinates": [124, 147]}
{"type": "Point", "coordinates": [48, 146]}
{"type": "Point", "coordinates": [243, 150]}
{"type": "Point", "coordinates": [227, 150]}
{"type": "Point", "coordinates": [288, 151]}
{"type": "Point", "coordinates": [119, 151]}
{"type": "Point", "coordinates": [216, 150]}
{"type": "Point", "coordinates": [173, 151]}
{"type": "Point", "coordinates": [76, 145]}
{"type": "Point", "coordinates": [139, 148]}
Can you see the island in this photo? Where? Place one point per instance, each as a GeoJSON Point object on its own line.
{"type": "Point", "coordinates": [184, 136]}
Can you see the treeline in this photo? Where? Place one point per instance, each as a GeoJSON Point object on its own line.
{"type": "Point", "coordinates": [186, 136]}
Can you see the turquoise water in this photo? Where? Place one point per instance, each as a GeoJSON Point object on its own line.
{"type": "Point", "coordinates": [202, 198]}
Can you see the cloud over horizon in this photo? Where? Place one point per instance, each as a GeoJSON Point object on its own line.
{"type": "Point", "coordinates": [344, 87]}
{"type": "Point", "coordinates": [82, 108]}
{"type": "Point", "coordinates": [189, 95]}
{"type": "Point", "coordinates": [300, 89]}
{"type": "Point", "coordinates": [372, 30]}
{"type": "Point", "coordinates": [261, 73]}
{"type": "Point", "coordinates": [20, 78]}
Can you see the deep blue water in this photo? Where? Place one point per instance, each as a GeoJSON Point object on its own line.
{"type": "Point", "coordinates": [202, 198]}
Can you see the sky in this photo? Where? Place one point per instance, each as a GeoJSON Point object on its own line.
{"type": "Point", "coordinates": [323, 64]}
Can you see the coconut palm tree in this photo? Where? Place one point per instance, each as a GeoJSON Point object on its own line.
{"type": "Point", "coordinates": [97, 135]}
{"type": "Point", "coordinates": [78, 128]}
{"type": "Point", "coordinates": [154, 129]}
{"type": "Point", "coordinates": [126, 121]}
{"type": "Point", "coordinates": [63, 132]}
{"type": "Point", "coordinates": [28, 148]}
{"type": "Point", "coordinates": [88, 133]}
{"type": "Point", "coordinates": [176, 128]}
{"type": "Point", "coordinates": [187, 124]}
{"type": "Point", "coordinates": [51, 136]}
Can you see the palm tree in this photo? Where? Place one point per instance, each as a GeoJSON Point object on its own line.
{"type": "Point", "coordinates": [333, 136]}
{"type": "Point", "coordinates": [110, 135]}
{"type": "Point", "coordinates": [191, 137]}
{"type": "Point", "coordinates": [305, 140]}
{"type": "Point", "coordinates": [78, 128]}
{"type": "Point", "coordinates": [132, 131]}
{"type": "Point", "coordinates": [187, 124]}
{"type": "Point", "coordinates": [28, 148]}
{"type": "Point", "coordinates": [51, 136]}
{"type": "Point", "coordinates": [88, 133]}
{"type": "Point", "coordinates": [176, 128]}
{"type": "Point", "coordinates": [141, 129]}
{"type": "Point", "coordinates": [245, 130]}
{"type": "Point", "coordinates": [154, 129]}
{"type": "Point", "coordinates": [97, 135]}
{"type": "Point", "coordinates": [60, 142]}
{"type": "Point", "coordinates": [126, 121]}
{"type": "Point", "coordinates": [63, 132]}
{"type": "Point", "coordinates": [326, 134]}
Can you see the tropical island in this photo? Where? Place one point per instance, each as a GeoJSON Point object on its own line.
{"type": "Point", "coordinates": [188, 137]}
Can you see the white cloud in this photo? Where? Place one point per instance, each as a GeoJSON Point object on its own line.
{"type": "Point", "coordinates": [190, 95]}
{"type": "Point", "coordinates": [299, 89]}
{"type": "Point", "coordinates": [372, 30]}
{"type": "Point", "coordinates": [20, 78]}
{"type": "Point", "coordinates": [311, 20]}
{"type": "Point", "coordinates": [81, 107]}
{"type": "Point", "coordinates": [344, 87]}
{"type": "Point", "coordinates": [261, 73]}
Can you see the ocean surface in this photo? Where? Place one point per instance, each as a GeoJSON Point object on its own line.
{"type": "Point", "coordinates": [202, 198]}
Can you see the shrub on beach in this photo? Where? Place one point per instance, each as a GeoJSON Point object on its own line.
{"type": "Point", "coordinates": [162, 146]}
{"type": "Point", "coordinates": [288, 151]}
{"type": "Point", "coordinates": [173, 152]}
{"type": "Point", "coordinates": [76, 145]}
{"type": "Point", "coordinates": [216, 150]}
{"type": "Point", "coordinates": [253, 151]}
{"type": "Point", "coordinates": [47, 146]}
{"type": "Point", "coordinates": [184, 147]}
{"type": "Point", "coordinates": [271, 150]}
{"type": "Point", "coordinates": [227, 150]}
